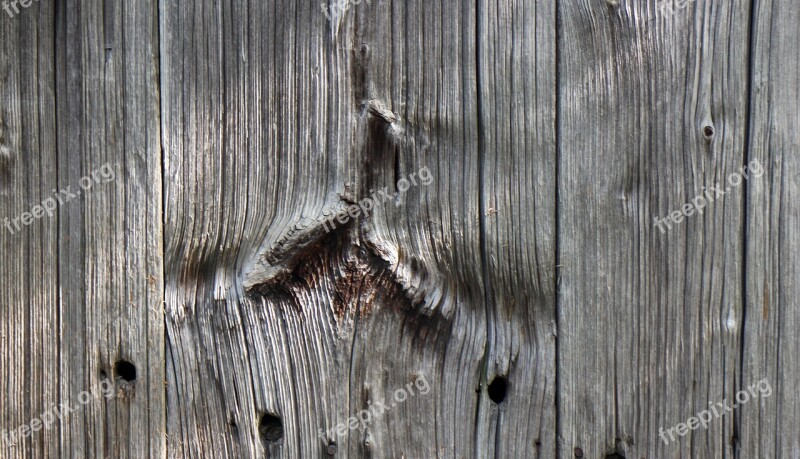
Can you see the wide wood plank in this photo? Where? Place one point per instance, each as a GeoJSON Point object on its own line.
{"type": "Point", "coordinates": [276, 118]}
{"type": "Point", "coordinates": [652, 110]}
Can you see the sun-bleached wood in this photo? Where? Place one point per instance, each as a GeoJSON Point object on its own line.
{"type": "Point", "coordinates": [521, 274]}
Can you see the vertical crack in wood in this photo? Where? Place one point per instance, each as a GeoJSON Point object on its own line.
{"type": "Point", "coordinates": [6, 159]}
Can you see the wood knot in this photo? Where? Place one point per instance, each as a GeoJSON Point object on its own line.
{"type": "Point", "coordinates": [345, 269]}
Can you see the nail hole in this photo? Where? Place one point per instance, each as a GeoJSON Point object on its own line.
{"type": "Point", "coordinates": [497, 389]}
{"type": "Point", "coordinates": [270, 428]}
{"type": "Point", "coordinates": [125, 370]}
{"type": "Point", "coordinates": [708, 131]}
{"type": "Point", "coordinates": [578, 452]}
{"type": "Point", "coordinates": [331, 450]}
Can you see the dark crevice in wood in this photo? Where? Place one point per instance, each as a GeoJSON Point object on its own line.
{"type": "Point", "coordinates": [752, 59]}
{"type": "Point", "coordinates": [108, 28]}
{"type": "Point", "coordinates": [557, 226]}
{"type": "Point", "coordinates": [360, 63]}
{"type": "Point", "coordinates": [384, 147]}
{"type": "Point", "coordinates": [6, 159]}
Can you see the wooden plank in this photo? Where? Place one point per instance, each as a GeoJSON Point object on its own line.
{"type": "Point", "coordinates": [517, 149]}
{"type": "Point", "coordinates": [29, 313]}
{"type": "Point", "coordinates": [769, 422]}
{"type": "Point", "coordinates": [649, 322]}
{"type": "Point", "coordinates": [517, 299]}
{"type": "Point", "coordinates": [85, 122]}
{"type": "Point", "coordinates": [249, 93]}
{"type": "Point", "coordinates": [275, 116]}
{"type": "Point", "coordinates": [112, 297]}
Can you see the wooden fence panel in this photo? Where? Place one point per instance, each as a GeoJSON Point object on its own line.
{"type": "Point", "coordinates": [399, 229]}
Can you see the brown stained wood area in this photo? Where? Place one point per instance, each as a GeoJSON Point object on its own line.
{"type": "Point", "coordinates": [342, 269]}
{"type": "Point", "coordinates": [399, 229]}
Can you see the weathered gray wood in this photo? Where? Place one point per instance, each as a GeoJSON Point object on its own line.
{"type": "Point", "coordinates": [554, 133]}
{"type": "Point", "coordinates": [517, 172]}
{"type": "Point", "coordinates": [30, 351]}
{"type": "Point", "coordinates": [85, 286]}
{"type": "Point", "coordinates": [649, 323]}
{"type": "Point", "coordinates": [769, 426]}
{"type": "Point", "coordinates": [273, 116]}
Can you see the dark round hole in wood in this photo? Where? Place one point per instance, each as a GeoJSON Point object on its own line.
{"type": "Point", "coordinates": [498, 389]}
{"type": "Point", "coordinates": [331, 449]}
{"type": "Point", "coordinates": [125, 370]}
{"type": "Point", "coordinates": [578, 452]}
{"type": "Point", "coordinates": [708, 131]}
{"type": "Point", "coordinates": [270, 428]}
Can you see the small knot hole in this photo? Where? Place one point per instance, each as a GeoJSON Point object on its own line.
{"type": "Point", "coordinates": [125, 370]}
{"type": "Point", "coordinates": [270, 428]}
{"type": "Point", "coordinates": [497, 389]}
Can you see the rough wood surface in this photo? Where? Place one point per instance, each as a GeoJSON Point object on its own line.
{"type": "Point", "coordinates": [650, 323]}
{"type": "Point", "coordinates": [770, 427]}
{"type": "Point", "coordinates": [517, 292]}
{"type": "Point", "coordinates": [317, 326]}
{"type": "Point", "coordinates": [83, 289]}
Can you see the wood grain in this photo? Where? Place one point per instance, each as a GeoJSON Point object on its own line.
{"type": "Point", "coordinates": [769, 423]}
{"type": "Point", "coordinates": [650, 323]}
{"type": "Point", "coordinates": [517, 293]}
{"type": "Point", "coordinates": [85, 285]}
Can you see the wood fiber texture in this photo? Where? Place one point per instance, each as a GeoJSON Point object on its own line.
{"type": "Point", "coordinates": [83, 289]}
{"type": "Point", "coordinates": [406, 229]}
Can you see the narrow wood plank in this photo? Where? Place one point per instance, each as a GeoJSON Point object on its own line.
{"type": "Point", "coordinates": [649, 322]}
{"type": "Point", "coordinates": [84, 121]}
{"type": "Point", "coordinates": [29, 314]}
{"type": "Point", "coordinates": [770, 421]}
{"type": "Point", "coordinates": [110, 268]}
{"type": "Point", "coordinates": [516, 85]}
